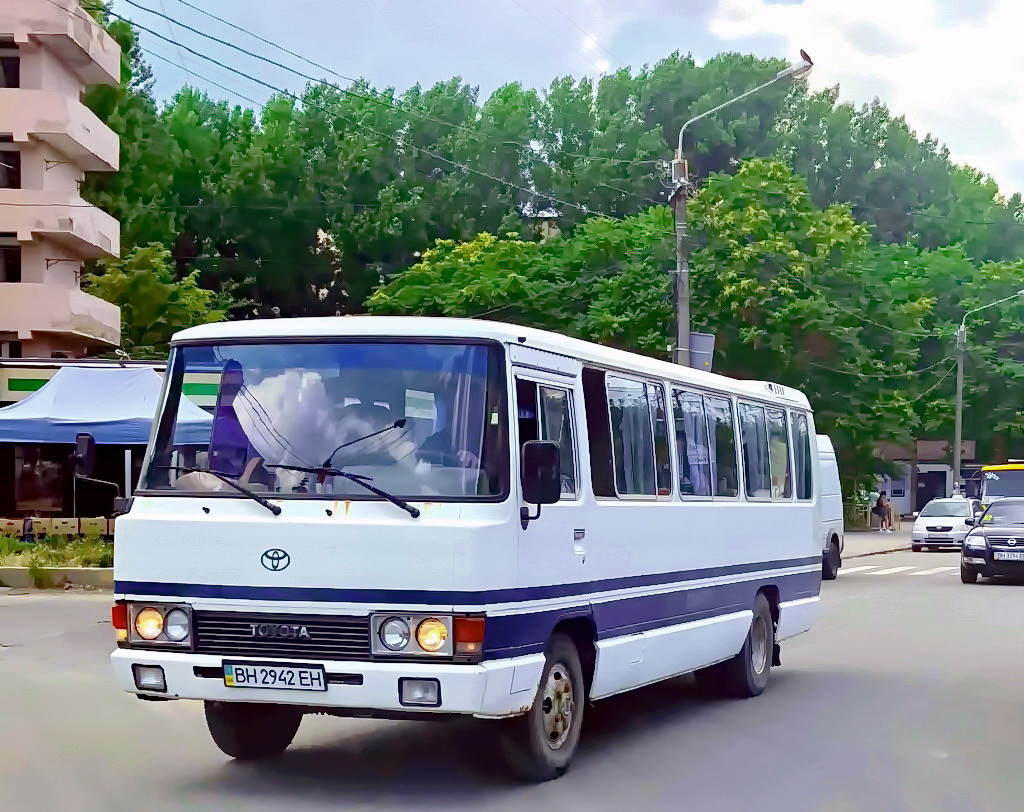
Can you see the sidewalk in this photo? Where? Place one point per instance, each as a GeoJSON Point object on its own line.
{"type": "Point", "coordinates": [858, 543]}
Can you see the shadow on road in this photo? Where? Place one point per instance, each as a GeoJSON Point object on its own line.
{"type": "Point", "coordinates": [449, 763]}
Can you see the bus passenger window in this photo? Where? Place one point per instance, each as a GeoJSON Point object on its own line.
{"type": "Point", "coordinates": [632, 437]}
{"type": "Point", "coordinates": [725, 472]}
{"type": "Point", "coordinates": [802, 450]}
{"type": "Point", "coordinates": [692, 448]}
{"type": "Point", "coordinates": [778, 447]}
{"type": "Point", "coordinates": [556, 425]}
{"type": "Point", "coordinates": [662, 459]}
{"type": "Point", "coordinates": [545, 413]}
{"type": "Point", "coordinates": [756, 468]}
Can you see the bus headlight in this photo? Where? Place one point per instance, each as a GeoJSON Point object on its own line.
{"type": "Point", "coordinates": [394, 634]}
{"type": "Point", "coordinates": [431, 635]}
{"type": "Point", "coordinates": [157, 624]}
{"type": "Point", "coordinates": [414, 635]}
{"type": "Point", "coordinates": [176, 626]}
{"type": "Point", "coordinates": [149, 623]}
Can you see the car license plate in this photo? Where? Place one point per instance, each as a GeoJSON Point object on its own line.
{"type": "Point", "coordinates": [939, 537]}
{"type": "Point", "coordinates": [1009, 556]}
{"type": "Point", "coordinates": [281, 677]}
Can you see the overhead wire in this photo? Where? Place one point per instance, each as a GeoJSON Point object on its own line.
{"type": "Point", "coordinates": [371, 96]}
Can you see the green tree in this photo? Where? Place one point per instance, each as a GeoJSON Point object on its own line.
{"type": "Point", "coordinates": [154, 305]}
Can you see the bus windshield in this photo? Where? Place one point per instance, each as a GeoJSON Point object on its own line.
{"type": "Point", "coordinates": [1002, 483]}
{"type": "Point", "coordinates": [418, 420]}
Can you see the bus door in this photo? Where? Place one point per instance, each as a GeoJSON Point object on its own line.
{"type": "Point", "coordinates": [553, 548]}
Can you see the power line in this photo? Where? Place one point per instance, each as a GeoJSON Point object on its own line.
{"type": "Point", "coordinates": [586, 33]}
{"type": "Point", "coordinates": [908, 374]}
{"type": "Point", "coordinates": [936, 385]}
{"type": "Point", "coordinates": [558, 36]}
{"type": "Point", "coordinates": [376, 98]}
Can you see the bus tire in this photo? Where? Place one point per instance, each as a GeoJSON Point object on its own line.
{"type": "Point", "coordinates": [833, 560]}
{"type": "Point", "coordinates": [746, 674]}
{"type": "Point", "coordinates": [247, 731]}
{"type": "Point", "coordinates": [540, 744]}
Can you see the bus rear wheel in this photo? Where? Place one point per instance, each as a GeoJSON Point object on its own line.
{"type": "Point", "coordinates": [247, 731]}
{"type": "Point", "coordinates": [746, 674]}
{"type": "Point", "coordinates": [833, 560]}
{"type": "Point", "coordinates": [540, 744]}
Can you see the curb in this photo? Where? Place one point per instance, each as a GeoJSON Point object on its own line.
{"type": "Point", "coordinates": [58, 577]}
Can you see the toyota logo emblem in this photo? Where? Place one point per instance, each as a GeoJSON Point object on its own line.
{"type": "Point", "coordinates": [275, 560]}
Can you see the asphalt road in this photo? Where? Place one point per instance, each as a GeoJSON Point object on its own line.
{"type": "Point", "coordinates": [904, 697]}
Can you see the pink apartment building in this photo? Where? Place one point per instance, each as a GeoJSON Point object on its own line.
{"type": "Point", "coordinates": [50, 51]}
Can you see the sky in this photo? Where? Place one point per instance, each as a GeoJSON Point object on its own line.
{"type": "Point", "coordinates": [954, 68]}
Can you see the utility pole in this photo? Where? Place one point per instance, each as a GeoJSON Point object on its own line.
{"type": "Point", "coordinates": [681, 285]}
{"type": "Point", "coordinates": [961, 348]}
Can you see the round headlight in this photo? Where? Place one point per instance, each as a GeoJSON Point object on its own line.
{"type": "Point", "coordinates": [176, 626]}
{"type": "Point", "coordinates": [394, 633]}
{"type": "Point", "coordinates": [431, 634]}
{"type": "Point", "coordinates": [149, 623]}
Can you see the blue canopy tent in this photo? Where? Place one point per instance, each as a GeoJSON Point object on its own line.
{"type": "Point", "coordinates": [116, 405]}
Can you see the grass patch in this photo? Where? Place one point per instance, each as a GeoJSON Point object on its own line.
{"type": "Point", "coordinates": [56, 551]}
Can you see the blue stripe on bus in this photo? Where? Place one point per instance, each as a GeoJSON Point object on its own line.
{"type": "Point", "coordinates": [528, 632]}
{"type": "Point", "coordinates": [443, 597]}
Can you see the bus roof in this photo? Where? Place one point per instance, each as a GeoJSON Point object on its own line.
{"type": "Point", "coordinates": [435, 326]}
{"type": "Point", "coordinates": [1012, 466]}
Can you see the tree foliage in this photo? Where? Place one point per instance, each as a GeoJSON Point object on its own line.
{"type": "Point", "coordinates": [835, 249]}
{"type": "Point", "coordinates": [154, 305]}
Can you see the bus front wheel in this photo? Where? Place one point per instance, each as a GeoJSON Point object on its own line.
{"type": "Point", "coordinates": [248, 731]}
{"type": "Point", "coordinates": [540, 744]}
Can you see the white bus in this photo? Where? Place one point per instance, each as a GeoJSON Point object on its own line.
{"type": "Point", "coordinates": [403, 517]}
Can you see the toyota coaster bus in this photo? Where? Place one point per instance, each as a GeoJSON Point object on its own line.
{"type": "Point", "coordinates": [406, 517]}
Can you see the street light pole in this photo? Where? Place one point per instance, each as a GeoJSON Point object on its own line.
{"type": "Point", "coordinates": [961, 351]}
{"type": "Point", "coordinates": [681, 288]}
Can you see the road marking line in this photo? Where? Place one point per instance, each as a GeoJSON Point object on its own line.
{"type": "Point", "coordinates": [851, 570]}
{"type": "Point", "coordinates": [892, 570]}
{"type": "Point", "coordinates": [934, 571]}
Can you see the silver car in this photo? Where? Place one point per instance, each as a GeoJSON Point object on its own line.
{"type": "Point", "coordinates": [942, 523]}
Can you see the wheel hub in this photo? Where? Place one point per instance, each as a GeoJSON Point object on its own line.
{"type": "Point", "coordinates": [557, 706]}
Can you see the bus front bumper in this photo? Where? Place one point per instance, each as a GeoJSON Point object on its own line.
{"type": "Point", "coordinates": [491, 689]}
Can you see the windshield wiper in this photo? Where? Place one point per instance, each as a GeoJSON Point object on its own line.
{"type": "Point", "coordinates": [398, 424]}
{"type": "Point", "coordinates": [226, 478]}
{"type": "Point", "coordinates": [357, 478]}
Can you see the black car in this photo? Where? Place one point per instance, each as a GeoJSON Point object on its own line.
{"type": "Point", "coordinates": [996, 544]}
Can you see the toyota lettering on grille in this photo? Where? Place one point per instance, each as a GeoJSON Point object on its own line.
{"type": "Point", "coordinates": [281, 630]}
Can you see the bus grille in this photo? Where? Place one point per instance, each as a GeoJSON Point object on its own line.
{"type": "Point", "coordinates": [317, 637]}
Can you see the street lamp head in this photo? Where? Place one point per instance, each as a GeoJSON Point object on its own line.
{"type": "Point", "coordinates": [798, 70]}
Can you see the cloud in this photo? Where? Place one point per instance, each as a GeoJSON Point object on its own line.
{"type": "Point", "coordinates": [950, 66]}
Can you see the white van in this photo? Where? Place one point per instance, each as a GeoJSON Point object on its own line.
{"type": "Point", "coordinates": [405, 517]}
{"type": "Point", "coordinates": [831, 510]}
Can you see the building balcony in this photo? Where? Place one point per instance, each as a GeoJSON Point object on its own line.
{"type": "Point", "coordinates": [63, 218]}
{"type": "Point", "coordinates": [73, 36]}
{"type": "Point", "coordinates": [28, 309]}
{"type": "Point", "coordinates": [64, 123]}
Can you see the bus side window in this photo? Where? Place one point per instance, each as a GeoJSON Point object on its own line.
{"type": "Point", "coordinates": [692, 448]}
{"type": "Point", "coordinates": [778, 453]}
{"type": "Point", "coordinates": [802, 452]}
{"type": "Point", "coordinates": [659, 420]}
{"type": "Point", "coordinates": [595, 401]}
{"type": "Point", "coordinates": [725, 471]}
{"type": "Point", "coordinates": [756, 467]}
{"type": "Point", "coordinates": [632, 437]}
{"type": "Point", "coordinates": [556, 425]}
{"type": "Point", "coordinates": [545, 413]}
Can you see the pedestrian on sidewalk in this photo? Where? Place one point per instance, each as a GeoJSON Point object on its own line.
{"type": "Point", "coordinates": [881, 510]}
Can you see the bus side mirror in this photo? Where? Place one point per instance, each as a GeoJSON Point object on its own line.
{"type": "Point", "coordinates": [540, 476]}
{"type": "Point", "coordinates": [969, 522]}
{"type": "Point", "coordinates": [84, 458]}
